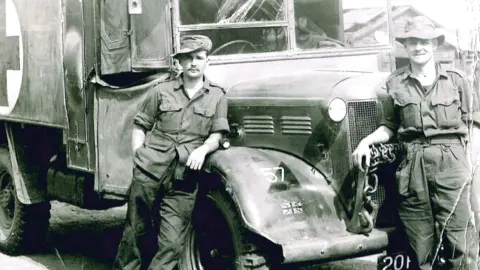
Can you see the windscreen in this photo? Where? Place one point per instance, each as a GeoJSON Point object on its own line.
{"type": "Point", "coordinates": [266, 26]}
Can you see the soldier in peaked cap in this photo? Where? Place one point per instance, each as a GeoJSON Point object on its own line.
{"type": "Point", "coordinates": [194, 43]}
{"type": "Point", "coordinates": [430, 109]}
{"type": "Point", "coordinates": [185, 119]}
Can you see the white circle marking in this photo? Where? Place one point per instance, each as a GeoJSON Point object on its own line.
{"type": "Point", "coordinates": [14, 77]}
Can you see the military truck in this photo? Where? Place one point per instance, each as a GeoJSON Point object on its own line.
{"type": "Point", "coordinates": [304, 81]}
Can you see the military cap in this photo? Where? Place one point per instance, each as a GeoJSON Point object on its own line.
{"type": "Point", "coordinates": [191, 43]}
{"type": "Point", "coordinates": [422, 28]}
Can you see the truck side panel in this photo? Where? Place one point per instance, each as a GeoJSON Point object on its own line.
{"type": "Point", "coordinates": [31, 66]}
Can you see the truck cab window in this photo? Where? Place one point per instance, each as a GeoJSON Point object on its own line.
{"type": "Point", "coordinates": [240, 41]}
{"type": "Point", "coordinates": [230, 11]}
{"type": "Point", "coordinates": [339, 24]}
{"type": "Point", "coordinates": [318, 24]}
{"type": "Point", "coordinates": [235, 26]}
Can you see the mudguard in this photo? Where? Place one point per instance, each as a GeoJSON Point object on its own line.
{"type": "Point", "coordinates": [279, 196]}
{"type": "Point", "coordinates": [27, 186]}
{"type": "Point", "coordinates": [290, 203]}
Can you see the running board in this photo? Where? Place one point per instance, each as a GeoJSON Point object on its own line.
{"type": "Point", "coordinates": [336, 248]}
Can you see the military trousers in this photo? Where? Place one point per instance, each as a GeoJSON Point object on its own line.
{"type": "Point", "coordinates": [433, 182]}
{"type": "Point", "coordinates": [158, 218]}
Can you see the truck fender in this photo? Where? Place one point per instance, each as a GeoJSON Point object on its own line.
{"type": "Point", "coordinates": [29, 190]}
{"type": "Point", "coordinates": [279, 196]}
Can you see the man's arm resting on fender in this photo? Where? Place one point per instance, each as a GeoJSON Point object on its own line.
{"type": "Point", "coordinates": [197, 157]}
{"type": "Point", "coordinates": [138, 137]}
{"type": "Point", "coordinates": [383, 134]}
{"type": "Point", "coordinates": [211, 144]}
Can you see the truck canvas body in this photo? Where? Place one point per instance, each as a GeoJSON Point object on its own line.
{"type": "Point", "coordinates": [304, 81]}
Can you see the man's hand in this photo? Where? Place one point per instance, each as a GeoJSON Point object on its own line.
{"type": "Point", "coordinates": [382, 135]}
{"type": "Point", "coordinates": [362, 152]}
{"type": "Point", "coordinates": [196, 158]}
{"type": "Point", "coordinates": [138, 138]}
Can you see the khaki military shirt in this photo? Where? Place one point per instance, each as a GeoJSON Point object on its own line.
{"type": "Point", "coordinates": [178, 124]}
{"type": "Point", "coordinates": [444, 108]}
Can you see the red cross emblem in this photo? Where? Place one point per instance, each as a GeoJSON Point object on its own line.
{"type": "Point", "coordinates": [10, 56]}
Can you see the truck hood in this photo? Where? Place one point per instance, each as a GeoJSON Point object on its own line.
{"type": "Point", "coordinates": [306, 84]}
{"type": "Point", "coordinates": [289, 113]}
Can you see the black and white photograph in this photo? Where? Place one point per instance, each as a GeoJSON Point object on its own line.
{"type": "Point", "coordinates": [239, 134]}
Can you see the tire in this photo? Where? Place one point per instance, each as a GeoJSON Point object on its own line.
{"type": "Point", "coordinates": [218, 240]}
{"type": "Point", "coordinates": [23, 228]}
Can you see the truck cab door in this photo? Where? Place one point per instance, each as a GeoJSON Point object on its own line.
{"type": "Point", "coordinates": [151, 38]}
{"type": "Point", "coordinates": [134, 35]}
{"type": "Point", "coordinates": [114, 37]}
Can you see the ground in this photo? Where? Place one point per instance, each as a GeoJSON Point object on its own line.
{"type": "Point", "coordinates": [87, 240]}
{"type": "Point", "coordinates": [78, 239]}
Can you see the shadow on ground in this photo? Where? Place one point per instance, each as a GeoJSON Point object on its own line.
{"type": "Point", "coordinates": [81, 239]}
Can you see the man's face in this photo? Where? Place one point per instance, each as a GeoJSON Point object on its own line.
{"type": "Point", "coordinates": [193, 64]}
{"type": "Point", "coordinates": [420, 51]}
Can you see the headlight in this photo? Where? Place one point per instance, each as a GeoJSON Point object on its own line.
{"type": "Point", "coordinates": [337, 109]}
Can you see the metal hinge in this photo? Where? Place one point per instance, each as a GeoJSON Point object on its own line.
{"type": "Point", "coordinates": [128, 32]}
{"type": "Point", "coordinates": [75, 140]}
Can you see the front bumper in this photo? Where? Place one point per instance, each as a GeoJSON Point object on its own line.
{"type": "Point", "coordinates": [336, 248]}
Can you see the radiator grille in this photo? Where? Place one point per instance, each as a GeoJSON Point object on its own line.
{"type": "Point", "coordinates": [258, 124]}
{"type": "Point", "coordinates": [296, 125]}
{"type": "Point", "coordinates": [362, 120]}
{"type": "Point", "coordinates": [379, 196]}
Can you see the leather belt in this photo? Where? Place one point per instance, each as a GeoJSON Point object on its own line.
{"type": "Point", "coordinates": [438, 139]}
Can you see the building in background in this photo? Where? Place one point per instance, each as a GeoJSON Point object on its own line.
{"type": "Point", "coordinates": [366, 26]}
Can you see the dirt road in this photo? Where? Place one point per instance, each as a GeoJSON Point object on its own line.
{"type": "Point", "coordinates": [87, 240]}
{"type": "Point", "coordinates": [78, 239]}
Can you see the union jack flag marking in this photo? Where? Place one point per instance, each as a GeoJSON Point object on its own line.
{"type": "Point", "coordinates": [291, 208]}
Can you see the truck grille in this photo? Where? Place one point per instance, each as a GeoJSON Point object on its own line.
{"type": "Point", "coordinates": [262, 124]}
{"type": "Point", "coordinates": [362, 120]}
{"type": "Point", "coordinates": [296, 125]}
{"type": "Point", "coordinates": [379, 196]}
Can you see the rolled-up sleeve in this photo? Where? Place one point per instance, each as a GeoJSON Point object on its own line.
{"type": "Point", "coordinates": [145, 117]}
{"type": "Point", "coordinates": [220, 122]}
{"type": "Point", "coordinates": [470, 102]}
{"type": "Point", "coordinates": [390, 118]}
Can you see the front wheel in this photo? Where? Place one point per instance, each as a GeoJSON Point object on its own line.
{"type": "Point", "coordinates": [22, 227]}
{"type": "Point", "coordinates": [218, 240]}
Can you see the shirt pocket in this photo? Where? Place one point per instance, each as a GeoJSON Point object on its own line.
{"type": "Point", "coordinates": [447, 110]}
{"type": "Point", "coordinates": [408, 110]}
{"type": "Point", "coordinates": [170, 117]}
{"type": "Point", "coordinates": [202, 120]}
